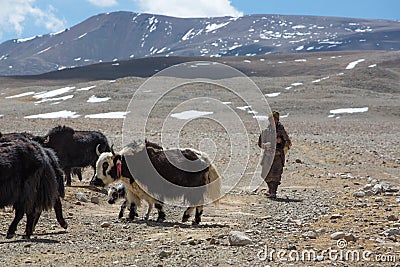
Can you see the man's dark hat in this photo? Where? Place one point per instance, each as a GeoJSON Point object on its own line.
{"type": "Point", "coordinates": [275, 114]}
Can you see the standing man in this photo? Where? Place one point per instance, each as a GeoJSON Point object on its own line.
{"type": "Point", "coordinates": [283, 144]}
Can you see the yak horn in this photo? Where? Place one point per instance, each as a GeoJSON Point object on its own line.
{"type": "Point", "coordinates": [46, 140]}
{"type": "Point", "coordinates": [97, 150]}
{"type": "Point", "coordinates": [112, 149]}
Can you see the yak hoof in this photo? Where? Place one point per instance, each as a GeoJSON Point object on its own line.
{"type": "Point", "coordinates": [195, 223]}
{"type": "Point", "coordinates": [68, 184]}
{"type": "Point", "coordinates": [160, 219]}
{"type": "Point", "coordinates": [185, 218]}
{"type": "Point", "coordinates": [26, 237]}
{"type": "Point", "coordinates": [10, 235]}
{"type": "Point", "coordinates": [131, 218]}
{"type": "Point", "coordinates": [64, 225]}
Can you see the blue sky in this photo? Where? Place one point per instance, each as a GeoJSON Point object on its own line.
{"type": "Point", "coordinates": [26, 18]}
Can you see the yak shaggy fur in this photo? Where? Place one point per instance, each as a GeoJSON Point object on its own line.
{"type": "Point", "coordinates": [27, 182]}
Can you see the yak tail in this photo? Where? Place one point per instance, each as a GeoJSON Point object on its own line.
{"type": "Point", "coordinates": [47, 192]}
{"type": "Point", "coordinates": [214, 182]}
{"type": "Point", "coordinates": [59, 174]}
{"type": "Point", "coordinates": [60, 181]}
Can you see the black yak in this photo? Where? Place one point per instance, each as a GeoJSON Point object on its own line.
{"type": "Point", "coordinates": [53, 160]}
{"type": "Point", "coordinates": [28, 182]}
{"type": "Point", "coordinates": [75, 149]}
{"type": "Point", "coordinates": [165, 174]}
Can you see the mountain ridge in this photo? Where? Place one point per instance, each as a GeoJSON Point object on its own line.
{"type": "Point", "coordinates": [126, 35]}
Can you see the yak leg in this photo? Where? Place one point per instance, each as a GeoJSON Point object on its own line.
{"type": "Point", "coordinates": [68, 175]}
{"type": "Point", "coordinates": [36, 220]}
{"type": "Point", "coordinates": [59, 215]}
{"type": "Point", "coordinates": [79, 173]}
{"type": "Point", "coordinates": [132, 211]}
{"type": "Point", "coordinates": [94, 170]}
{"type": "Point", "coordinates": [161, 213]}
{"type": "Point", "coordinates": [197, 217]}
{"type": "Point", "coordinates": [19, 214]}
{"type": "Point", "coordinates": [186, 214]}
{"type": "Point", "coordinates": [31, 218]}
{"type": "Point", "coordinates": [149, 209]}
{"type": "Point", "coordinates": [123, 207]}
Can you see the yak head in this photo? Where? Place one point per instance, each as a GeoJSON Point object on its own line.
{"type": "Point", "coordinates": [108, 168]}
{"type": "Point", "coordinates": [116, 192]}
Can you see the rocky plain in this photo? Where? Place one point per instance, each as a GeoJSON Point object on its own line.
{"type": "Point", "coordinates": [338, 204]}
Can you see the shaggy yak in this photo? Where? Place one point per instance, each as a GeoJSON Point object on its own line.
{"type": "Point", "coordinates": [165, 174]}
{"type": "Point", "coordinates": [28, 182]}
{"type": "Point", "coordinates": [132, 199]}
{"type": "Point", "coordinates": [75, 149]}
{"type": "Point", "coordinates": [27, 137]}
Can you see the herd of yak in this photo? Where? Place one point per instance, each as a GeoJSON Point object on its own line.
{"type": "Point", "coordinates": [34, 169]}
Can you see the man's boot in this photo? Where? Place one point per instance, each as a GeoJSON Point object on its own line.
{"type": "Point", "coordinates": [274, 188]}
{"type": "Point", "coordinates": [269, 189]}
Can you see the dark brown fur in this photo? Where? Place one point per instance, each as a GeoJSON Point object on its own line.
{"type": "Point", "coordinates": [27, 182]}
{"type": "Point", "coordinates": [75, 148]}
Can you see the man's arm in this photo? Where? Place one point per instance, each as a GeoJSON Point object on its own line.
{"type": "Point", "coordinates": [261, 144]}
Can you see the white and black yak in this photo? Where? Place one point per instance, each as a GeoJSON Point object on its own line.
{"type": "Point", "coordinates": [164, 174]}
{"type": "Point", "coordinates": [131, 201]}
{"type": "Point", "coordinates": [28, 182]}
{"type": "Point", "coordinates": [75, 149]}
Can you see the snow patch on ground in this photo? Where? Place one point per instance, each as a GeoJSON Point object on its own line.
{"type": "Point", "coordinates": [54, 115]}
{"type": "Point", "coordinates": [190, 114]}
{"type": "Point", "coordinates": [108, 115]}
{"type": "Point", "coordinates": [348, 110]}
{"type": "Point", "coordinates": [273, 94]}
{"type": "Point", "coordinates": [20, 95]}
{"type": "Point", "coordinates": [351, 65]}
{"type": "Point", "coordinates": [54, 92]}
{"type": "Point", "coordinates": [86, 88]}
{"type": "Point", "coordinates": [94, 99]}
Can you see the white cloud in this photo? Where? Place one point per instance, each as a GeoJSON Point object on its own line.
{"type": "Point", "coordinates": [15, 13]}
{"type": "Point", "coordinates": [189, 8]}
{"type": "Point", "coordinates": [103, 3]}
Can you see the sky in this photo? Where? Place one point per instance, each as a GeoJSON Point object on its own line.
{"type": "Point", "coordinates": [27, 18]}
